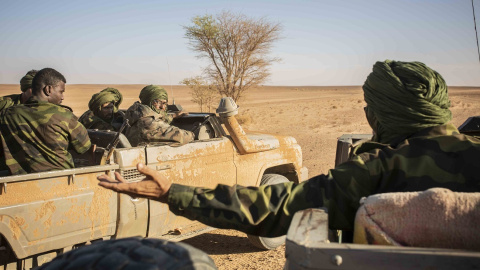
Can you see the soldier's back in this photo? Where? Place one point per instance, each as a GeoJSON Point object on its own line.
{"type": "Point", "coordinates": [36, 137]}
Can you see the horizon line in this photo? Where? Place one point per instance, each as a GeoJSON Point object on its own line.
{"type": "Point", "coordinates": [340, 85]}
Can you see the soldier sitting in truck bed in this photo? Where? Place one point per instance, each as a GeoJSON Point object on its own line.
{"type": "Point", "coordinates": [414, 148]}
{"type": "Point", "coordinates": [103, 111]}
{"type": "Point", "coordinates": [149, 120]}
{"type": "Point", "coordinates": [25, 87]}
{"type": "Point", "coordinates": [36, 136]}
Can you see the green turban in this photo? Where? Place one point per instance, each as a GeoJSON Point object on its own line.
{"type": "Point", "coordinates": [150, 93]}
{"type": "Point", "coordinates": [404, 97]}
{"type": "Point", "coordinates": [107, 95]}
{"type": "Point", "coordinates": [26, 81]}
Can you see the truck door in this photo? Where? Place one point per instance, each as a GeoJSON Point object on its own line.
{"type": "Point", "coordinates": [200, 163]}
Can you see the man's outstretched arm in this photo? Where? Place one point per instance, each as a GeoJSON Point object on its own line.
{"type": "Point", "coordinates": [264, 211]}
{"type": "Point", "coordinates": [154, 186]}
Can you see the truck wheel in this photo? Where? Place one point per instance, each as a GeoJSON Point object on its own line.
{"type": "Point", "coordinates": [133, 253]}
{"type": "Point", "coordinates": [266, 242]}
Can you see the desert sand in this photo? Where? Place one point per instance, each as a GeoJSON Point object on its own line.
{"type": "Point", "coordinates": [315, 116]}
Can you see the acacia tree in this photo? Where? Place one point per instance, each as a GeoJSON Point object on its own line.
{"type": "Point", "coordinates": [237, 48]}
{"type": "Point", "coordinates": [203, 93]}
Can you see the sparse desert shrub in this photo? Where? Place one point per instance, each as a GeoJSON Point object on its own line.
{"type": "Point", "coordinates": [203, 93]}
{"type": "Point", "coordinates": [237, 49]}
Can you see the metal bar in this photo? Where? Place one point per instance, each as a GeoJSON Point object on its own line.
{"type": "Point", "coordinates": [476, 34]}
{"type": "Point", "coordinates": [51, 174]}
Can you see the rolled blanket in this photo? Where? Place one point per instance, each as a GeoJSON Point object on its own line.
{"type": "Point", "coordinates": [437, 218]}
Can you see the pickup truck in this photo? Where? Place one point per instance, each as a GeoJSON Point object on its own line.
{"type": "Point", "coordinates": [48, 213]}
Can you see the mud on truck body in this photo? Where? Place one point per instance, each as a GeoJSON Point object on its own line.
{"type": "Point", "coordinates": [48, 213]}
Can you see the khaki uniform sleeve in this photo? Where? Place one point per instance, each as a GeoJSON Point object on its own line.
{"type": "Point", "coordinates": [156, 129]}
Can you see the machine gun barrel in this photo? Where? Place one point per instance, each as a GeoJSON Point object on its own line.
{"type": "Point", "coordinates": [111, 146]}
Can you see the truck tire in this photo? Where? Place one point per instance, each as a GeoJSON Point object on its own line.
{"type": "Point", "coordinates": [267, 243]}
{"type": "Point", "coordinates": [133, 253]}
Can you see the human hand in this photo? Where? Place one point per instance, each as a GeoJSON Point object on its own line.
{"type": "Point", "coordinates": [180, 114]}
{"type": "Point", "coordinates": [154, 186]}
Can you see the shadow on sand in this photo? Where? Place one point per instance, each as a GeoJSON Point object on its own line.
{"type": "Point", "coordinates": [218, 244]}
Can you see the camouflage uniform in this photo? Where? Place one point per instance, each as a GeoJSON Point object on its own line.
{"type": "Point", "coordinates": [148, 126]}
{"type": "Point", "coordinates": [433, 157]}
{"type": "Point", "coordinates": [11, 100]}
{"type": "Point", "coordinates": [91, 121]}
{"type": "Point", "coordinates": [35, 137]}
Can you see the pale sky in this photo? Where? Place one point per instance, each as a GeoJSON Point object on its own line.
{"type": "Point", "coordinates": [324, 42]}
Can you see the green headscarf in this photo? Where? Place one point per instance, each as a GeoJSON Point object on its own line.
{"type": "Point", "coordinates": [105, 96]}
{"type": "Point", "coordinates": [150, 93]}
{"type": "Point", "coordinates": [404, 97]}
{"type": "Point", "coordinates": [26, 81]}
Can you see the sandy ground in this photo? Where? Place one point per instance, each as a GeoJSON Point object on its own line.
{"type": "Point", "coordinates": [315, 116]}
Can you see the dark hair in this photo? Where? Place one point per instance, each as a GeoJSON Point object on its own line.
{"type": "Point", "coordinates": [46, 76]}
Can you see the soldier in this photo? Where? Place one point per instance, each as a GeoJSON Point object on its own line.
{"type": "Point", "coordinates": [25, 87]}
{"type": "Point", "coordinates": [414, 148]}
{"type": "Point", "coordinates": [103, 111]}
{"type": "Point", "coordinates": [35, 136]}
{"type": "Point", "coordinates": [149, 120]}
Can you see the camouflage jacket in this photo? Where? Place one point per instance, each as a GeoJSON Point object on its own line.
{"type": "Point", "coordinates": [35, 137]}
{"type": "Point", "coordinates": [11, 100]}
{"type": "Point", "coordinates": [91, 121]}
{"type": "Point", "coordinates": [433, 157]}
{"type": "Point", "coordinates": [147, 126]}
